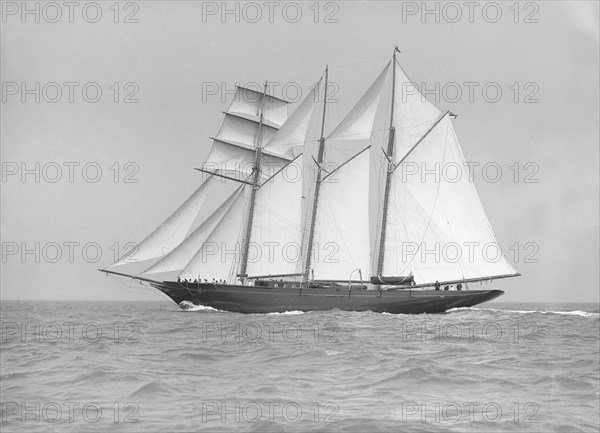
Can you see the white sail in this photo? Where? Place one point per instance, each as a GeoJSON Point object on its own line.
{"type": "Point", "coordinates": [300, 134]}
{"type": "Point", "coordinates": [437, 228]}
{"type": "Point", "coordinates": [247, 103]}
{"type": "Point", "coordinates": [238, 161]}
{"type": "Point", "coordinates": [177, 259]}
{"type": "Point", "coordinates": [243, 132]}
{"type": "Point", "coordinates": [233, 150]}
{"type": "Point", "coordinates": [358, 124]}
{"type": "Point", "coordinates": [219, 255]}
{"type": "Point", "coordinates": [297, 129]}
{"type": "Point", "coordinates": [413, 114]}
{"type": "Point", "coordinates": [342, 242]}
{"type": "Point", "coordinates": [172, 231]}
{"type": "Point", "coordinates": [275, 237]}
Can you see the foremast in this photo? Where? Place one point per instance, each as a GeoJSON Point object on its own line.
{"type": "Point", "coordinates": [256, 172]}
{"type": "Point", "coordinates": [319, 179]}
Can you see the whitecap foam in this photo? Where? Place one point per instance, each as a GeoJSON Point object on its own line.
{"type": "Point", "coordinates": [286, 313]}
{"type": "Point", "coordinates": [569, 313]}
{"type": "Point", "coordinates": [190, 306]}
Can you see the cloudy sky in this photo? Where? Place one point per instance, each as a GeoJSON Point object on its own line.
{"type": "Point", "coordinates": [154, 63]}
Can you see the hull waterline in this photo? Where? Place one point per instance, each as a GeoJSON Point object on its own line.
{"type": "Point", "coordinates": [253, 299]}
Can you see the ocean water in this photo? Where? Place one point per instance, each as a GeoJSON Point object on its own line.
{"type": "Point", "coordinates": [149, 366]}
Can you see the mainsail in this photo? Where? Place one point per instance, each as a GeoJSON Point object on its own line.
{"type": "Point", "coordinates": [437, 228]}
{"type": "Point", "coordinates": [432, 222]}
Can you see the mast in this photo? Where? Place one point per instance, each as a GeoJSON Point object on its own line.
{"type": "Point", "coordinates": [390, 173]}
{"type": "Point", "coordinates": [256, 170]}
{"type": "Point", "coordinates": [311, 233]}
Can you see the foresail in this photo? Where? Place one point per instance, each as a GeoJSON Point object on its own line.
{"type": "Point", "coordinates": [276, 230]}
{"type": "Point", "coordinates": [177, 259]}
{"type": "Point", "coordinates": [172, 231]}
{"type": "Point", "coordinates": [219, 255]}
{"type": "Point", "coordinates": [342, 243]}
{"type": "Point", "coordinates": [437, 228]}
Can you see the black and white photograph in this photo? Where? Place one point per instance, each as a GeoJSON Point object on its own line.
{"type": "Point", "coordinates": [300, 216]}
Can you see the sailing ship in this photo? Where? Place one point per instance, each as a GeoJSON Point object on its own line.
{"type": "Point", "coordinates": [316, 221]}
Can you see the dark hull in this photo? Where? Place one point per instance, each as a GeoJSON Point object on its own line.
{"type": "Point", "coordinates": [253, 299]}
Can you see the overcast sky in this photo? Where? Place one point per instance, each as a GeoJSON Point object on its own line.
{"type": "Point", "coordinates": [543, 56]}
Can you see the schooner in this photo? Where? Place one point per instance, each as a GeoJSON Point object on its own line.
{"type": "Point", "coordinates": [375, 215]}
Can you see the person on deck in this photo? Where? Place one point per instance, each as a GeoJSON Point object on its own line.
{"type": "Point", "coordinates": [437, 285]}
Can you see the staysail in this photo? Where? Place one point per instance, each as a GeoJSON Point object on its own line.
{"type": "Point", "coordinates": [177, 259]}
{"type": "Point", "coordinates": [219, 254]}
{"type": "Point", "coordinates": [172, 231]}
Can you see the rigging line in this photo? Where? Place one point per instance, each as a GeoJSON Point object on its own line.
{"type": "Point", "coordinates": [280, 170]}
{"type": "Point", "coordinates": [344, 163]}
{"type": "Point", "coordinates": [434, 202]}
{"type": "Point", "coordinates": [233, 197]}
{"type": "Point", "coordinates": [280, 217]}
{"type": "Point", "coordinates": [460, 262]}
{"type": "Point", "coordinates": [412, 82]}
{"type": "Point", "coordinates": [217, 225]}
{"type": "Point", "coordinates": [418, 270]}
{"type": "Point", "coordinates": [151, 222]}
{"type": "Point", "coordinates": [360, 62]}
{"type": "Point", "coordinates": [349, 136]}
{"type": "Point", "coordinates": [174, 229]}
{"type": "Point", "coordinates": [131, 286]}
{"type": "Point", "coordinates": [342, 237]}
{"type": "Point", "coordinates": [342, 66]}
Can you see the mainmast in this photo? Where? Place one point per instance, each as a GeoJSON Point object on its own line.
{"type": "Point", "coordinates": [256, 172]}
{"type": "Point", "coordinates": [390, 172]}
{"type": "Point", "coordinates": [319, 161]}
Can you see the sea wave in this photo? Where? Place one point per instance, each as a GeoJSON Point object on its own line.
{"type": "Point", "coordinates": [370, 371]}
{"type": "Point", "coordinates": [497, 310]}
{"type": "Point", "coordinates": [290, 313]}
{"type": "Point", "coordinates": [190, 306]}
